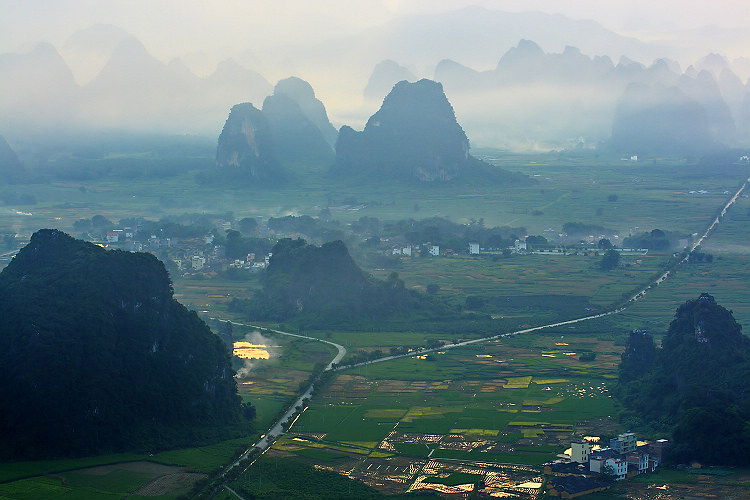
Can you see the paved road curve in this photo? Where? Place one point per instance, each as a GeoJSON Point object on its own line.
{"type": "Point", "coordinates": [277, 429]}
{"type": "Point", "coordinates": [618, 310]}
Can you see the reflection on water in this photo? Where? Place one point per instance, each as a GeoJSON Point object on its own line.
{"type": "Point", "coordinates": [248, 350]}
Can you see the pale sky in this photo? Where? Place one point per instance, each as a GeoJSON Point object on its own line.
{"type": "Point", "coordinates": [279, 38]}
{"type": "Point", "coordinates": [170, 28]}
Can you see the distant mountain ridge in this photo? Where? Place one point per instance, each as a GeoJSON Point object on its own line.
{"type": "Point", "coordinates": [570, 99]}
{"type": "Point", "coordinates": [659, 120]}
{"type": "Point", "coordinates": [530, 99]}
{"type": "Point", "coordinates": [132, 91]}
{"type": "Point", "coordinates": [11, 168]}
{"type": "Point", "coordinates": [414, 136]}
{"type": "Point", "coordinates": [299, 124]}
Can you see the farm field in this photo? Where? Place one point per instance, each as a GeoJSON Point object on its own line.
{"type": "Point", "coordinates": [171, 473]}
{"type": "Point", "coordinates": [486, 406]}
{"type": "Point", "coordinates": [164, 475]}
{"type": "Point", "coordinates": [271, 387]}
{"type": "Point", "coordinates": [534, 288]}
{"type": "Point", "coordinates": [211, 295]}
{"type": "Point", "coordinates": [725, 278]}
{"type": "Point", "coordinates": [495, 410]}
{"type": "Point", "coordinates": [649, 194]}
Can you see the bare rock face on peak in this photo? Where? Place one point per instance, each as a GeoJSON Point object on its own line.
{"type": "Point", "coordinates": [299, 124]}
{"type": "Point", "coordinates": [245, 148]}
{"type": "Point", "coordinates": [413, 136]}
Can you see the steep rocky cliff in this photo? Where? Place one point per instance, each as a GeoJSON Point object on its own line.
{"type": "Point", "coordinates": [299, 124]}
{"type": "Point", "coordinates": [245, 147]}
{"type": "Point", "coordinates": [414, 135]}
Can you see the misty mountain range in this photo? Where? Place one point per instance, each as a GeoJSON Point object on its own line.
{"type": "Point", "coordinates": [414, 137]}
{"type": "Point", "coordinates": [565, 98]}
{"type": "Point", "coordinates": [531, 99]}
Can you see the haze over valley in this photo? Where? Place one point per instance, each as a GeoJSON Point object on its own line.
{"type": "Point", "coordinates": [376, 249]}
{"type": "Point", "coordinates": [526, 81]}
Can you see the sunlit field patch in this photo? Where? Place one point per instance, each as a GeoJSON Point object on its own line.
{"type": "Point", "coordinates": [248, 350]}
{"type": "Point", "coordinates": [517, 383]}
{"type": "Point", "coordinates": [476, 432]}
{"type": "Point", "coordinates": [546, 381]}
{"type": "Point", "coordinates": [427, 412]}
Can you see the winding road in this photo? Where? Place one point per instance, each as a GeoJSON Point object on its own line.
{"type": "Point", "coordinates": [277, 429]}
{"type": "Point", "coordinates": [642, 293]}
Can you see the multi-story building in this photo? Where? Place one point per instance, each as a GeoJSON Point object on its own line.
{"type": "Point", "coordinates": [580, 451]}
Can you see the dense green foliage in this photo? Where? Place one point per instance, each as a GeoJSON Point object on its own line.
{"type": "Point", "coordinates": [610, 260]}
{"type": "Point", "coordinates": [583, 229]}
{"type": "Point", "coordinates": [96, 355]}
{"type": "Point", "coordinates": [308, 226]}
{"type": "Point", "coordinates": [238, 246]}
{"type": "Point", "coordinates": [448, 234]}
{"type": "Point", "coordinates": [694, 385]}
{"type": "Point", "coordinates": [654, 240]}
{"type": "Point", "coordinates": [325, 287]}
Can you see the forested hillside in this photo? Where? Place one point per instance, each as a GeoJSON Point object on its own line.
{"type": "Point", "coordinates": [324, 286]}
{"type": "Point", "coordinates": [695, 385]}
{"type": "Point", "coordinates": [96, 355]}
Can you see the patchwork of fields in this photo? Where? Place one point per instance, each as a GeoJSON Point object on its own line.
{"type": "Point", "coordinates": [480, 408]}
{"type": "Point", "coordinates": [485, 414]}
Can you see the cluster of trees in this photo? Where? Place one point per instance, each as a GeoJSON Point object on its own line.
{"type": "Point", "coordinates": [696, 257]}
{"type": "Point", "coordinates": [323, 286]}
{"type": "Point", "coordinates": [654, 240]}
{"type": "Point", "coordinates": [96, 356]}
{"type": "Point", "coordinates": [238, 246]}
{"type": "Point", "coordinates": [128, 168]}
{"type": "Point", "coordinates": [186, 226]}
{"type": "Point", "coordinates": [610, 260]}
{"type": "Point", "coordinates": [694, 387]}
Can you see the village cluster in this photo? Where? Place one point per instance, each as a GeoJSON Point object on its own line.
{"type": "Point", "coordinates": [187, 255]}
{"type": "Point", "coordinates": [191, 255]}
{"type": "Point", "coordinates": [591, 468]}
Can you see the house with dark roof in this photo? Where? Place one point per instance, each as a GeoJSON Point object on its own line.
{"type": "Point", "coordinates": [575, 486]}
